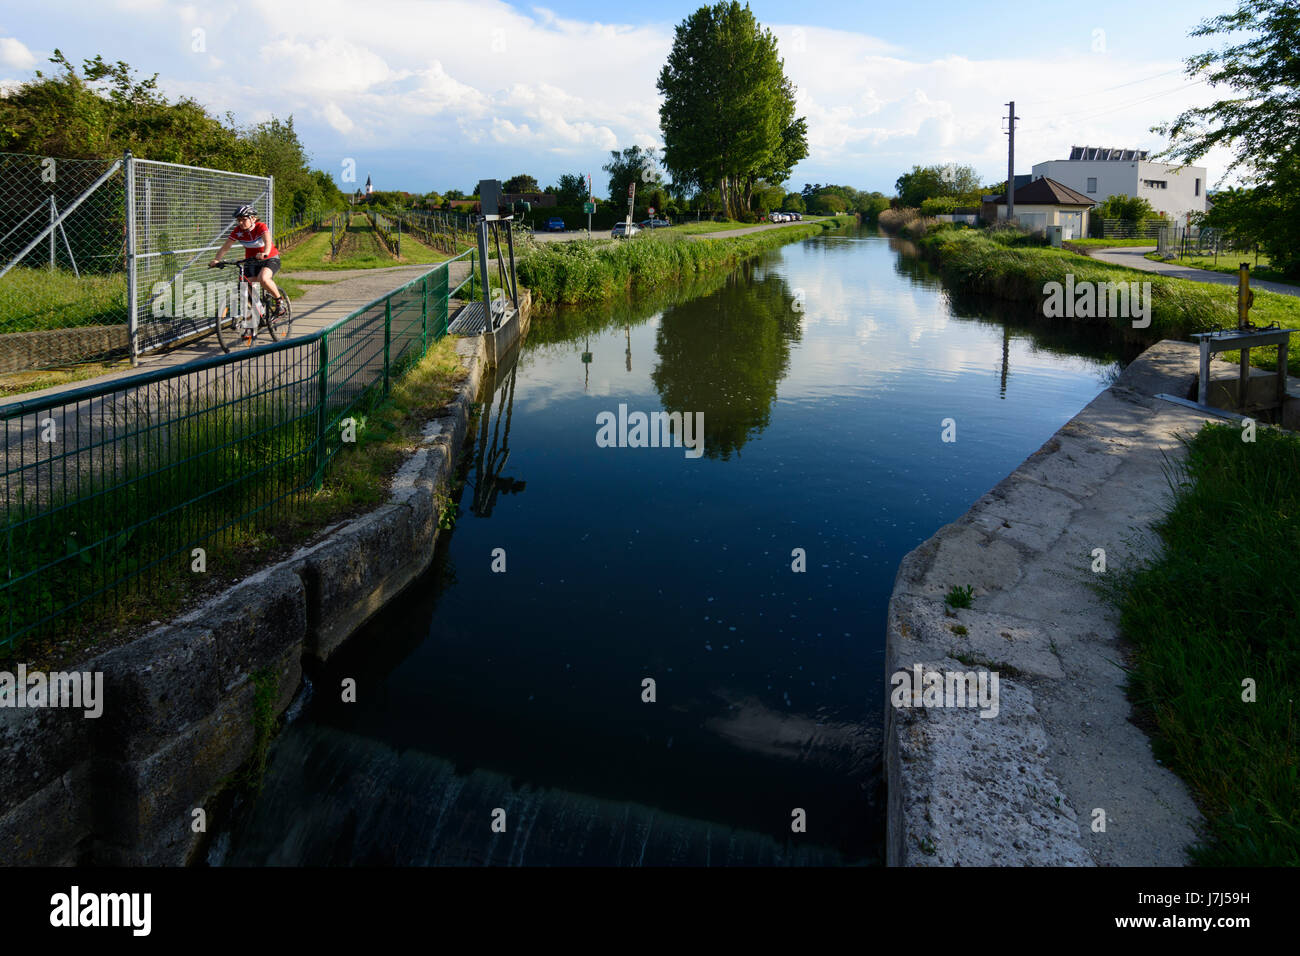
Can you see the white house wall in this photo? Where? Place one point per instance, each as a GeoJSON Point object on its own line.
{"type": "Point", "coordinates": [1125, 179]}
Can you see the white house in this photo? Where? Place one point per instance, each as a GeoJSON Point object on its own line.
{"type": "Point", "coordinates": [1100, 173]}
{"type": "Point", "coordinates": [1043, 203]}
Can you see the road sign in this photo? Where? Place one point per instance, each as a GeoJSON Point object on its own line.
{"type": "Point", "coordinates": [652, 210]}
{"type": "Point", "coordinates": [589, 207]}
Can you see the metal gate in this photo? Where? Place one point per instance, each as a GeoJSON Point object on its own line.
{"type": "Point", "coordinates": [180, 216]}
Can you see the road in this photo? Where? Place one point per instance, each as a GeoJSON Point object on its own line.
{"type": "Point", "coordinates": [1133, 258]}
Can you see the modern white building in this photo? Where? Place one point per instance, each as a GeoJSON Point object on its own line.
{"type": "Point", "coordinates": [1100, 173]}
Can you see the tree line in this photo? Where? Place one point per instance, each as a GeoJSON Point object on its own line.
{"type": "Point", "coordinates": [103, 110]}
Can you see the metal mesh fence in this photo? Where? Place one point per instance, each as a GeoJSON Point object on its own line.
{"type": "Point", "coordinates": [107, 489]}
{"type": "Point", "coordinates": [180, 217]}
{"type": "Point", "coordinates": [1130, 229]}
{"type": "Point", "coordinates": [63, 264]}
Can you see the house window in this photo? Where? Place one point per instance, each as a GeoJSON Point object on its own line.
{"type": "Point", "coordinates": [1092, 184]}
{"type": "Point", "coordinates": [1198, 185]}
{"type": "Point", "coordinates": [1155, 184]}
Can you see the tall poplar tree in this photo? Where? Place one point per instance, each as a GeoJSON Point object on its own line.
{"type": "Point", "coordinates": [728, 113]}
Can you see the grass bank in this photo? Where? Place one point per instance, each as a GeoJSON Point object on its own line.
{"type": "Point", "coordinates": [581, 271]}
{"type": "Point", "coordinates": [999, 265]}
{"type": "Point", "coordinates": [39, 299]}
{"type": "Point", "coordinates": [1231, 543]}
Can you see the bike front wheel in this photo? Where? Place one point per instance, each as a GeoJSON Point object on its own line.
{"type": "Point", "coordinates": [227, 340]}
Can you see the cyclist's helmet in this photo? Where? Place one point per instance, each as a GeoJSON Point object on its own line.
{"type": "Point", "coordinates": [243, 211]}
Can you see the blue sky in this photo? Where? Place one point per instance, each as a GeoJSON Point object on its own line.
{"type": "Point", "coordinates": [548, 89]}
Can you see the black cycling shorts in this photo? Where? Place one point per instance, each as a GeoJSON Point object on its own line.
{"type": "Point", "coordinates": [253, 267]}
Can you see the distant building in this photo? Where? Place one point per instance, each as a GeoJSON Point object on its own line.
{"type": "Point", "coordinates": [544, 200]}
{"type": "Point", "coordinates": [1100, 173]}
{"type": "Point", "coordinates": [1043, 203]}
{"type": "Point", "coordinates": [369, 188]}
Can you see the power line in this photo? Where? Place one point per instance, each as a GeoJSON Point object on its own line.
{"type": "Point", "coordinates": [1119, 86]}
{"type": "Point", "coordinates": [1094, 113]}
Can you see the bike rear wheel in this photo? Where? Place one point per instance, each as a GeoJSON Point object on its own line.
{"type": "Point", "coordinates": [280, 327]}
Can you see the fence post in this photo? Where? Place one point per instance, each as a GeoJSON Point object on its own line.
{"type": "Point", "coordinates": [388, 330]}
{"type": "Point", "coordinates": [322, 397]}
{"type": "Point", "coordinates": [424, 314]}
{"type": "Point", "coordinates": [132, 327]}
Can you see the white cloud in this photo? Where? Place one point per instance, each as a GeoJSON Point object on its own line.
{"type": "Point", "coordinates": [14, 55]}
{"type": "Point", "coordinates": [415, 78]}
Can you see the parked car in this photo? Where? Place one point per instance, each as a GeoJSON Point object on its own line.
{"type": "Point", "coordinates": [621, 230]}
{"type": "Point", "coordinates": [555, 224]}
{"type": "Point", "coordinates": [797, 216]}
{"type": "Point", "coordinates": [654, 223]}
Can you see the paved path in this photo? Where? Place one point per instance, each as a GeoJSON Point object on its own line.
{"type": "Point", "coordinates": [1133, 257]}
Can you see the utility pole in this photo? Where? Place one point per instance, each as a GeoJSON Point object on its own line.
{"type": "Point", "coordinates": [1011, 160]}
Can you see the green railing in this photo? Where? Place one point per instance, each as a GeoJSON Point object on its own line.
{"type": "Point", "coordinates": [112, 491]}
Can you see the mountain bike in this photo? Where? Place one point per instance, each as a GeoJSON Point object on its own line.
{"type": "Point", "coordinates": [251, 312]}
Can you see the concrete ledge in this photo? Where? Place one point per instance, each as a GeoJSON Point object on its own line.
{"type": "Point", "coordinates": [1023, 787]}
{"type": "Point", "coordinates": [20, 351]}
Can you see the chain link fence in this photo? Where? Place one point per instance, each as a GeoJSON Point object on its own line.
{"type": "Point", "coordinates": [63, 260]}
{"type": "Point", "coordinates": [102, 258]}
{"type": "Point", "coordinates": [180, 217]}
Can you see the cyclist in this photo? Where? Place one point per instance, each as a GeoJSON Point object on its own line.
{"type": "Point", "coordinates": [261, 257]}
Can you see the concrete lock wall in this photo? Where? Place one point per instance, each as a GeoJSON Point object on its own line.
{"type": "Point", "coordinates": [1060, 776]}
{"type": "Point", "coordinates": [181, 712]}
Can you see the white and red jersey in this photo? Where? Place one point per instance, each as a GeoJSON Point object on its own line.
{"type": "Point", "coordinates": [255, 240]}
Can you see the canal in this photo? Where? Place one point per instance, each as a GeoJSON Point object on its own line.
{"type": "Point", "coordinates": [749, 583]}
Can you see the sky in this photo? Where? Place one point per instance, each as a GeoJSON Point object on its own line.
{"type": "Point", "coordinates": [437, 94]}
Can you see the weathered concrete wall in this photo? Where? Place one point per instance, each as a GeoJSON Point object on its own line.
{"type": "Point", "coordinates": [20, 351]}
{"type": "Point", "coordinates": [1022, 788]}
{"type": "Point", "coordinates": [180, 716]}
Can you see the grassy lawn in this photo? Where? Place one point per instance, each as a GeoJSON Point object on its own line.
{"type": "Point", "coordinates": [1218, 608]}
{"type": "Point", "coordinates": [1110, 243]}
{"type": "Point", "coordinates": [37, 299]}
{"type": "Point", "coordinates": [356, 480]}
{"type": "Point", "coordinates": [1229, 262]}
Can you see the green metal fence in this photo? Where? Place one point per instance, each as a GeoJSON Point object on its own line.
{"type": "Point", "coordinates": [109, 489]}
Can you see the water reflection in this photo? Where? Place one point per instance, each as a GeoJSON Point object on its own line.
{"type": "Point", "coordinates": [724, 354]}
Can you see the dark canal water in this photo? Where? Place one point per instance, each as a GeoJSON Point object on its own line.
{"type": "Point", "coordinates": [824, 371]}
